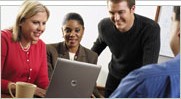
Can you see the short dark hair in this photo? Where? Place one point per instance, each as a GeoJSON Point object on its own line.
{"type": "Point", "coordinates": [73, 16]}
{"type": "Point", "coordinates": [176, 10]}
{"type": "Point", "coordinates": [130, 2]}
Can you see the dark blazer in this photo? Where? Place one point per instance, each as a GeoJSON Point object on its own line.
{"type": "Point", "coordinates": [59, 50]}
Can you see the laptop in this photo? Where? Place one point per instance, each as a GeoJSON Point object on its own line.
{"type": "Point", "coordinates": [72, 79]}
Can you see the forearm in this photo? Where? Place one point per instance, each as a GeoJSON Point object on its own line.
{"type": "Point", "coordinates": [151, 51]}
{"type": "Point", "coordinates": [98, 47]}
{"type": "Point", "coordinates": [151, 45]}
{"type": "Point", "coordinates": [42, 80]}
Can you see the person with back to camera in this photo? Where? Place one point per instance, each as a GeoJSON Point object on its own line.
{"type": "Point", "coordinates": [133, 40]}
{"type": "Point", "coordinates": [23, 54]}
{"type": "Point", "coordinates": [72, 29]}
{"type": "Point", "coordinates": [156, 80]}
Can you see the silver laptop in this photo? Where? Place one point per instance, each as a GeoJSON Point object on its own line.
{"type": "Point", "coordinates": [72, 79]}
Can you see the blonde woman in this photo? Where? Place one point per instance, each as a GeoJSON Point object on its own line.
{"type": "Point", "coordinates": [23, 54]}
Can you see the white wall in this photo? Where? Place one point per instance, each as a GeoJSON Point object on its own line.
{"type": "Point", "coordinates": [164, 21]}
{"type": "Point", "coordinates": [91, 15]}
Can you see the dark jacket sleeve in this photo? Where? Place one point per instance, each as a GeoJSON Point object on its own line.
{"type": "Point", "coordinates": [151, 44]}
{"type": "Point", "coordinates": [91, 56]}
{"type": "Point", "coordinates": [99, 44]}
{"type": "Point", "coordinates": [52, 56]}
{"type": "Point", "coordinates": [94, 58]}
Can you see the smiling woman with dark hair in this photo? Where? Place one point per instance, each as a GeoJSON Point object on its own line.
{"type": "Point", "coordinates": [73, 30]}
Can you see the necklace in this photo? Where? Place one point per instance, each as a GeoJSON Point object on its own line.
{"type": "Point", "coordinates": [25, 48]}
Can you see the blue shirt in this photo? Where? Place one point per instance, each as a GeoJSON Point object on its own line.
{"type": "Point", "coordinates": [155, 80]}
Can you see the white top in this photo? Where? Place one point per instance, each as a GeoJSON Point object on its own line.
{"type": "Point", "coordinates": [71, 56]}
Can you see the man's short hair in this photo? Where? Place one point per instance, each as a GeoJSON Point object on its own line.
{"type": "Point", "coordinates": [130, 2]}
{"type": "Point", "coordinates": [176, 10]}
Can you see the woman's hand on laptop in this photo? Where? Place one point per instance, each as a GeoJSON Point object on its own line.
{"type": "Point", "coordinates": [40, 92]}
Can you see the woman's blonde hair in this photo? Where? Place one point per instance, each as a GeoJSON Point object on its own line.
{"type": "Point", "coordinates": [28, 9]}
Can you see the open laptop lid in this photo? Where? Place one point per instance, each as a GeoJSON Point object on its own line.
{"type": "Point", "coordinates": [72, 79]}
